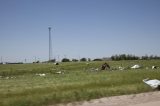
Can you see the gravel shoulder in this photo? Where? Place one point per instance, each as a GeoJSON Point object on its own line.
{"type": "Point", "coordinates": [143, 99]}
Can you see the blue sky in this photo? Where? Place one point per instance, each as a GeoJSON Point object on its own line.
{"type": "Point", "coordinates": [80, 28]}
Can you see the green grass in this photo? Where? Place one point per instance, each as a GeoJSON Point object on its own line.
{"type": "Point", "coordinates": [20, 86]}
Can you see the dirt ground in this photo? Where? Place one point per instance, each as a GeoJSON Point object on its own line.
{"type": "Point", "coordinates": [143, 99]}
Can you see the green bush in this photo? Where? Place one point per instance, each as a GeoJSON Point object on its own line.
{"type": "Point", "coordinates": [65, 60]}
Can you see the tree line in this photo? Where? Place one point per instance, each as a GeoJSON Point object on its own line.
{"type": "Point", "coordinates": [116, 58]}
{"type": "Point", "coordinates": [113, 57]}
{"type": "Point", "coordinates": [133, 57]}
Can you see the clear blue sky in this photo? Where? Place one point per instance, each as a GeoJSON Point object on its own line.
{"type": "Point", "coordinates": [80, 28]}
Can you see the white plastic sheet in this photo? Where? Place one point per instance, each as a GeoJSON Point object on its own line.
{"type": "Point", "coordinates": [153, 83]}
{"type": "Point", "coordinates": [135, 66]}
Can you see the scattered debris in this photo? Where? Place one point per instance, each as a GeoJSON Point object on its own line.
{"type": "Point", "coordinates": [12, 77]}
{"type": "Point", "coordinates": [56, 63]}
{"type": "Point", "coordinates": [121, 68]}
{"type": "Point", "coordinates": [96, 69]}
{"type": "Point", "coordinates": [135, 66]}
{"type": "Point", "coordinates": [42, 75]}
{"type": "Point", "coordinates": [153, 83]}
{"type": "Point", "coordinates": [105, 66]}
{"type": "Point", "coordinates": [59, 72]}
{"type": "Point", "coordinates": [155, 67]}
{"type": "Point", "coordinates": [8, 77]}
{"type": "Point", "coordinates": [87, 63]}
{"type": "Point", "coordinates": [93, 69]}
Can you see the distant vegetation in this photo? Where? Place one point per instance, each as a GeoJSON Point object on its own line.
{"type": "Point", "coordinates": [97, 59]}
{"type": "Point", "coordinates": [133, 57]}
{"type": "Point", "coordinates": [116, 58]}
{"type": "Point", "coordinates": [83, 59]}
{"type": "Point", "coordinates": [124, 57]}
{"type": "Point", "coordinates": [65, 60]}
{"type": "Point", "coordinates": [113, 57]}
{"type": "Point", "coordinates": [75, 60]}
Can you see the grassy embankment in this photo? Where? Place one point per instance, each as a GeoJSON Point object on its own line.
{"type": "Point", "coordinates": [20, 86]}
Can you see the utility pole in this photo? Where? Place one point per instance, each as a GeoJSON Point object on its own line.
{"type": "Point", "coordinates": [1, 59]}
{"type": "Point", "coordinates": [50, 44]}
{"type": "Point", "coordinates": [25, 60]}
{"type": "Point", "coordinates": [35, 59]}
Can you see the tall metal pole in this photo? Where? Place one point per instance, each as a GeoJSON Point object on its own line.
{"type": "Point", "coordinates": [50, 44]}
{"type": "Point", "coordinates": [1, 60]}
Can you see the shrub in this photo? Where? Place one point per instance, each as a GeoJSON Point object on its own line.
{"type": "Point", "coordinates": [97, 60]}
{"type": "Point", "coordinates": [74, 60]}
{"type": "Point", "coordinates": [83, 59]}
{"type": "Point", "coordinates": [65, 60]}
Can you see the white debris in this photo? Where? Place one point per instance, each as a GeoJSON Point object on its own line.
{"type": "Point", "coordinates": [56, 63]}
{"type": "Point", "coordinates": [135, 66]}
{"type": "Point", "coordinates": [96, 69]}
{"type": "Point", "coordinates": [59, 72]}
{"type": "Point", "coordinates": [87, 63]}
{"type": "Point", "coordinates": [121, 68]}
{"type": "Point", "coordinates": [7, 77]}
{"type": "Point", "coordinates": [42, 75]}
{"type": "Point", "coordinates": [13, 77]}
{"type": "Point", "coordinates": [153, 83]}
{"type": "Point", "coordinates": [154, 67]}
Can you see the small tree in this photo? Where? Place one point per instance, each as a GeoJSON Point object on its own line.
{"type": "Point", "coordinates": [89, 59]}
{"type": "Point", "coordinates": [74, 60]}
{"type": "Point", "coordinates": [83, 59]}
{"type": "Point", "coordinates": [145, 57]}
{"type": "Point", "coordinates": [65, 60]}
